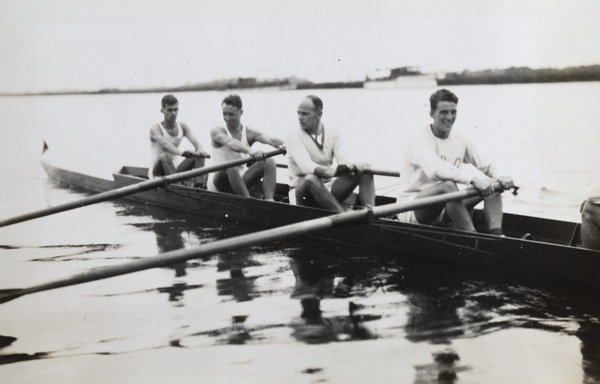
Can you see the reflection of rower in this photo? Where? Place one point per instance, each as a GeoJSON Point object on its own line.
{"type": "Point", "coordinates": [169, 238]}
{"type": "Point", "coordinates": [312, 328]}
{"type": "Point", "coordinates": [237, 285]}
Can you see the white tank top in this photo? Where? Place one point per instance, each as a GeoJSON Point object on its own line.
{"type": "Point", "coordinates": [223, 154]}
{"type": "Point", "coordinates": [156, 149]}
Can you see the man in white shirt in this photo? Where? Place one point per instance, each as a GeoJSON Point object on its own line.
{"type": "Point", "coordinates": [433, 166]}
{"type": "Point", "coordinates": [311, 150]}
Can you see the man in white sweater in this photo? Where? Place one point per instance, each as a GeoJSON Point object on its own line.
{"type": "Point", "coordinates": [433, 166]}
{"type": "Point", "coordinates": [312, 149]}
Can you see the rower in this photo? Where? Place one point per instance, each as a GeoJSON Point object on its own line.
{"type": "Point", "coordinates": [590, 218]}
{"type": "Point", "coordinates": [433, 166]}
{"type": "Point", "coordinates": [234, 141]}
{"type": "Point", "coordinates": [165, 138]}
{"type": "Point", "coordinates": [312, 148]}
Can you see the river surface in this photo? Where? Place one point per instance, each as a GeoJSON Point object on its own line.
{"type": "Point", "coordinates": [246, 316]}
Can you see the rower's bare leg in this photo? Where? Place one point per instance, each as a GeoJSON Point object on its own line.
{"type": "Point", "coordinates": [167, 163]}
{"type": "Point", "coordinates": [230, 181]}
{"type": "Point", "coordinates": [202, 180]}
{"type": "Point", "coordinates": [193, 163]}
{"type": "Point", "coordinates": [456, 210]}
{"type": "Point", "coordinates": [492, 211]}
{"type": "Point", "coordinates": [366, 190]}
{"type": "Point", "coordinates": [343, 186]}
{"type": "Point", "coordinates": [311, 185]}
{"type": "Point", "coordinates": [268, 172]}
{"type": "Point", "coordinates": [238, 186]}
{"type": "Point", "coordinates": [590, 225]}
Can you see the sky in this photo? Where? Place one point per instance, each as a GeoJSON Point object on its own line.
{"type": "Point", "coordinates": [57, 45]}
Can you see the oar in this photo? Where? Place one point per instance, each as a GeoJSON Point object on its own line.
{"type": "Point", "coordinates": [131, 189]}
{"type": "Point", "coordinates": [243, 241]}
{"type": "Point", "coordinates": [370, 171]}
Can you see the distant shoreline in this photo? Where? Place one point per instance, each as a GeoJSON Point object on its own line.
{"type": "Point", "coordinates": [513, 75]}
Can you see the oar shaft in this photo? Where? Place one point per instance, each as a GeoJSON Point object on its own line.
{"type": "Point", "coordinates": [370, 171]}
{"type": "Point", "coordinates": [130, 190]}
{"type": "Point", "coordinates": [243, 241]}
{"type": "Point", "coordinates": [390, 209]}
{"type": "Point", "coordinates": [181, 255]}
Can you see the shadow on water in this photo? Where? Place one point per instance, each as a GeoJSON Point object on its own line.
{"type": "Point", "coordinates": [447, 303]}
{"type": "Point", "coordinates": [443, 303]}
{"type": "Point", "coordinates": [6, 341]}
{"type": "Point", "coordinates": [435, 304]}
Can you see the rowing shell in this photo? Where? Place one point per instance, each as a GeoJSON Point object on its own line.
{"type": "Point", "coordinates": [551, 251]}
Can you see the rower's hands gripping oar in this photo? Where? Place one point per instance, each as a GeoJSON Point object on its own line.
{"type": "Point", "coordinates": [131, 189]}
{"type": "Point", "coordinates": [244, 241]}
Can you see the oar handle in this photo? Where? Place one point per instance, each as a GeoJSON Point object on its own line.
{"type": "Point", "coordinates": [381, 172]}
{"type": "Point", "coordinates": [132, 189]}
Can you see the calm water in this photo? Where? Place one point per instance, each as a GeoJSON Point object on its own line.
{"type": "Point", "coordinates": [238, 316]}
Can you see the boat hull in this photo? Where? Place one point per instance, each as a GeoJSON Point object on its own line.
{"type": "Point", "coordinates": [551, 256]}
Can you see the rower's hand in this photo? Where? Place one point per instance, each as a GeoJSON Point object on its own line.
{"type": "Point", "coordinates": [506, 182]}
{"type": "Point", "coordinates": [282, 147]}
{"type": "Point", "coordinates": [258, 155]}
{"type": "Point", "coordinates": [486, 187]}
{"type": "Point", "coordinates": [200, 154]}
{"type": "Point", "coordinates": [345, 169]}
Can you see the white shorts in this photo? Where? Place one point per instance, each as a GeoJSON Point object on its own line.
{"type": "Point", "coordinates": [407, 216]}
{"type": "Point", "coordinates": [292, 192]}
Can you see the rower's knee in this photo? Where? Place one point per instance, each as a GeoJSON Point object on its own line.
{"type": "Point", "coordinates": [311, 180]}
{"type": "Point", "coordinates": [270, 162]}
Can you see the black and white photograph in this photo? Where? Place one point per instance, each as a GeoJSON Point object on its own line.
{"type": "Point", "coordinates": [321, 191]}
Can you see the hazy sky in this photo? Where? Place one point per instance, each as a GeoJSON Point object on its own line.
{"type": "Point", "coordinates": [92, 44]}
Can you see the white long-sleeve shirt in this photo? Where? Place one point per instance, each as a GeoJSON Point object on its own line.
{"type": "Point", "coordinates": [304, 155]}
{"type": "Point", "coordinates": [430, 160]}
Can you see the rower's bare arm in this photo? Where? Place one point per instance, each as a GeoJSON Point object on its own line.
{"type": "Point", "coordinates": [219, 136]}
{"type": "Point", "coordinates": [156, 136]}
{"type": "Point", "coordinates": [255, 135]}
{"type": "Point", "coordinates": [324, 172]}
{"type": "Point", "coordinates": [199, 149]}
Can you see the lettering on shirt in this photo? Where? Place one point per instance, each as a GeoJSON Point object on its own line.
{"type": "Point", "coordinates": [457, 163]}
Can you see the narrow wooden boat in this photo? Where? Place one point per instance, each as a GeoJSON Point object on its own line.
{"type": "Point", "coordinates": [546, 250]}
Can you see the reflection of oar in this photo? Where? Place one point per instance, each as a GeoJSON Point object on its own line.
{"type": "Point", "coordinates": [131, 189]}
{"type": "Point", "coordinates": [238, 242]}
{"type": "Point", "coordinates": [370, 171]}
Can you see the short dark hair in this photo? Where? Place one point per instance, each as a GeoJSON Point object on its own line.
{"type": "Point", "coordinates": [168, 100]}
{"type": "Point", "coordinates": [233, 100]}
{"type": "Point", "coordinates": [317, 102]}
{"type": "Point", "coordinates": [441, 95]}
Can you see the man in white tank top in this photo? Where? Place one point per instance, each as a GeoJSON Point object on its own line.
{"type": "Point", "coordinates": [165, 137]}
{"type": "Point", "coordinates": [234, 141]}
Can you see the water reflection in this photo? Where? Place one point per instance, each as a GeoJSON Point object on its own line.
{"type": "Point", "coordinates": [173, 231]}
{"type": "Point", "coordinates": [424, 302]}
{"type": "Point", "coordinates": [448, 303]}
